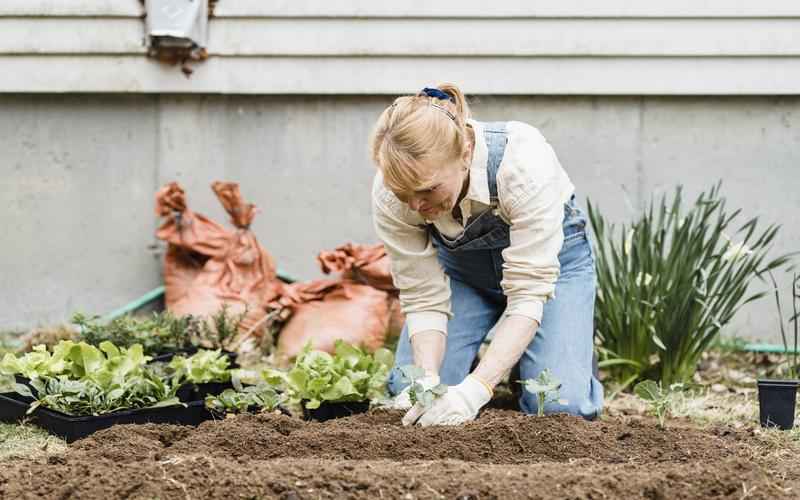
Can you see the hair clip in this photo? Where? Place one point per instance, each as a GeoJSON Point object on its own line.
{"type": "Point", "coordinates": [437, 94]}
{"type": "Point", "coordinates": [445, 110]}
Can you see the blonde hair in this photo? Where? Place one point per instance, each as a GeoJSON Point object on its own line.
{"type": "Point", "coordinates": [419, 128]}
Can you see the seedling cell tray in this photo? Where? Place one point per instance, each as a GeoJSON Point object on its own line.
{"type": "Point", "coordinates": [24, 381]}
{"type": "Point", "coordinates": [328, 411]}
{"type": "Point", "coordinates": [198, 392]}
{"type": "Point", "coordinates": [13, 408]}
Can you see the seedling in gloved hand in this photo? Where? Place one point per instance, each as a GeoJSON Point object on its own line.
{"type": "Point", "coordinates": [417, 393]}
{"type": "Point", "coordinates": [543, 385]}
{"type": "Point", "coordinates": [657, 397]}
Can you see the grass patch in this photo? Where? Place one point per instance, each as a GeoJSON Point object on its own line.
{"type": "Point", "coordinates": [27, 441]}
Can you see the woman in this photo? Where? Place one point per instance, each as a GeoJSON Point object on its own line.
{"type": "Point", "coordinates": [483, 233]}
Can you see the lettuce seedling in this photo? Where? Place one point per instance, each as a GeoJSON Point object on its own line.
{"type": "Point", "coordinates": [95, 381]}
{"type": "Point", "coordinates": [242, 399]}
{"type": "Point", "coordinates": [202, 367]}
{"type": "Point", "coordinates": [657, 397]}
{"type": "Point", "coordinates": [39, 362]}
{"type": "Point", "coordinates": [349, 374]}
{"type": "Point", "coordinates": [546, 388]}
{"type": "Point", "coordinates": [417, 393]}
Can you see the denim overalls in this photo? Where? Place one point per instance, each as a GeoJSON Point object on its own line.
{"type": "Point", "coordinates": [474, 264]}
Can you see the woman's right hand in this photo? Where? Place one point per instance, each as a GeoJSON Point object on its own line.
{"type": "Point", "coordinates": [403, 401]}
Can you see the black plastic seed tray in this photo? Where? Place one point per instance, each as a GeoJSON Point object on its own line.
{"type": "Point", "coordinates": [198, 392]}
{"type": "Point", "coordinates": [14, 406]}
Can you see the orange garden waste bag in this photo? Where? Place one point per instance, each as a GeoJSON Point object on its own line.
{"type": "Point", "coordinates": [208, 266]}
{"type": "Point", "coordinates": [360, 307]}
{"type": "Point", "coordinates": [324, 311]}
{"type": "Point", "coordinates": [362, 263]}
{"type": "Point", "coordinates": [367, 264]}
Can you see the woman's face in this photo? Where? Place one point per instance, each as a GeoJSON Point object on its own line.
{"type": "Point", "coordinates": [441, 194]}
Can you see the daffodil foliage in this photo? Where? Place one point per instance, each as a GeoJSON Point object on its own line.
{"type": "Point", "coordinates": [670, 281]}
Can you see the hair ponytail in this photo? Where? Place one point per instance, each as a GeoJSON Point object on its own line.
{"type": "Point", "coordinates": [459, 102]}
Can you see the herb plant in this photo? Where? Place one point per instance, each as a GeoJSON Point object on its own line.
{"type": "Point", "coordinates": [349, 374]}
{"type": "Point", "coordinates": [668, 284]}
{"type": "Point", "coordinates": [220, 330]}
{"type": "Point", "coordinates": [417, 393]}
{"type": "Point", "coordinates": [546, 388]}
{"type": "Point", "coordinates": [658, 398]}
{"type": "Point", "coordinates": [158, 334]}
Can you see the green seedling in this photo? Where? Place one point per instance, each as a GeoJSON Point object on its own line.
{"type": "Point", "coordinates": [202, 367]}
{"type": "Point", "coordinates": [546, 388]}
{"type": "Point", "coordinates": [242, 399]}
{"type": "Point", "coordinates": [417, 393]}
{"type": "Point", "coordinates": [81, 379]}
{"type": "Point", "coordinates": [349, 374]}
{"type": "Point", "coordinates": [658, 398]}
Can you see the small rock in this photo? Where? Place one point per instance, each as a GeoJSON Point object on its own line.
{"type": "Point", "coordinates": [468, 495]}
{"type": "Point", "coordinates": [719, 388]}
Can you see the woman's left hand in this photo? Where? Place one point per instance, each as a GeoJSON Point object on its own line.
{"type": "Point", "coordinates": [458, 405]}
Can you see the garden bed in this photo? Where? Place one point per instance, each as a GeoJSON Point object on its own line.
{"type": "Point", "coordinates": [502, 455]}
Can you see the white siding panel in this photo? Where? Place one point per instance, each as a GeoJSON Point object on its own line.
{"type": "Point", "coordinates": [422, 38]}
{"type": "Point", "coordinates": [335, 75]}
{"type": "Point", "coordinates": [48, 8]}
{"type": "Point", "coordinates": [426, 8]}
{"type": "Point", "coordinates": [505, 37]}
{"type": "Point", "coordinates": [360, 47]}
{"type": "Point", "coordinates": [509, 8]}
{"type": "Point", "coordinates": [71, 36]}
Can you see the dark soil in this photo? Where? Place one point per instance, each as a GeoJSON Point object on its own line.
{"type": "Point", "coordinates": [502, 455]}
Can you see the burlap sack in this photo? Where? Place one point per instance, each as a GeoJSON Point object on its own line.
{"type": "Point", "coordinates": [207, 266]}
{"type": "Point", "coordinates": [367, 264]}
{"type": "Point", "coordinates": [324, 311]}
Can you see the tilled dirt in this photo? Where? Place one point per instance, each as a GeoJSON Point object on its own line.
{"type": "Point", "coordinates": [502, 455]}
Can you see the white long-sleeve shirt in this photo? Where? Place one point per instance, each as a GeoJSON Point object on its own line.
{"type": "Point", "coordinates": [532, 189]}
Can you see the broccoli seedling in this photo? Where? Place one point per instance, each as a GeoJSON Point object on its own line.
{"type": "Point", "coordinates": [417, 393]}
{"type": "Point", "coordinates": [657, 397]}
{"type": "Point", "coordinates": [543, 385]}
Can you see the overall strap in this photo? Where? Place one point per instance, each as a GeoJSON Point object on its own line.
{"type": "Point", "coordinates": [496, 140]}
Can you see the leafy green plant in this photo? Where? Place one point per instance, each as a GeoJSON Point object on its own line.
{"type": "Point", "coordinates": [417, 393]}
{"type": "Point", "coordinates": [40, 362]}
{"type": "Point", "coordinates": [202, 367]}
{"type": "Point", "coordinates": [81, 379]}
{"type": "Point", "coordinates": [242, 399]}
{"type": "Point", "coordinates": [671, 282]}
{"type": "Point", "coordinates": [158, 334]}
{"type": "Point", "coordinates": [87, 397]}
{"type": "Point", "coordinates": [545, 386]}
{"type": "Point", "coordinates": [349, 374]}
{"type": "Point", "coordinates": [791, 353]}
{"type": "Point", "coordinates": [658, 398]}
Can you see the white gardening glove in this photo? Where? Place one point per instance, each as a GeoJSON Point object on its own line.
{"type": "Point", "coordinates": [403, 401]}
{"type": "Point", "coordinates": [460, 404]}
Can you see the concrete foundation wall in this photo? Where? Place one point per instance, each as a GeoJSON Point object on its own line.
{"type": "Point", "coordinates": [79, 173]}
